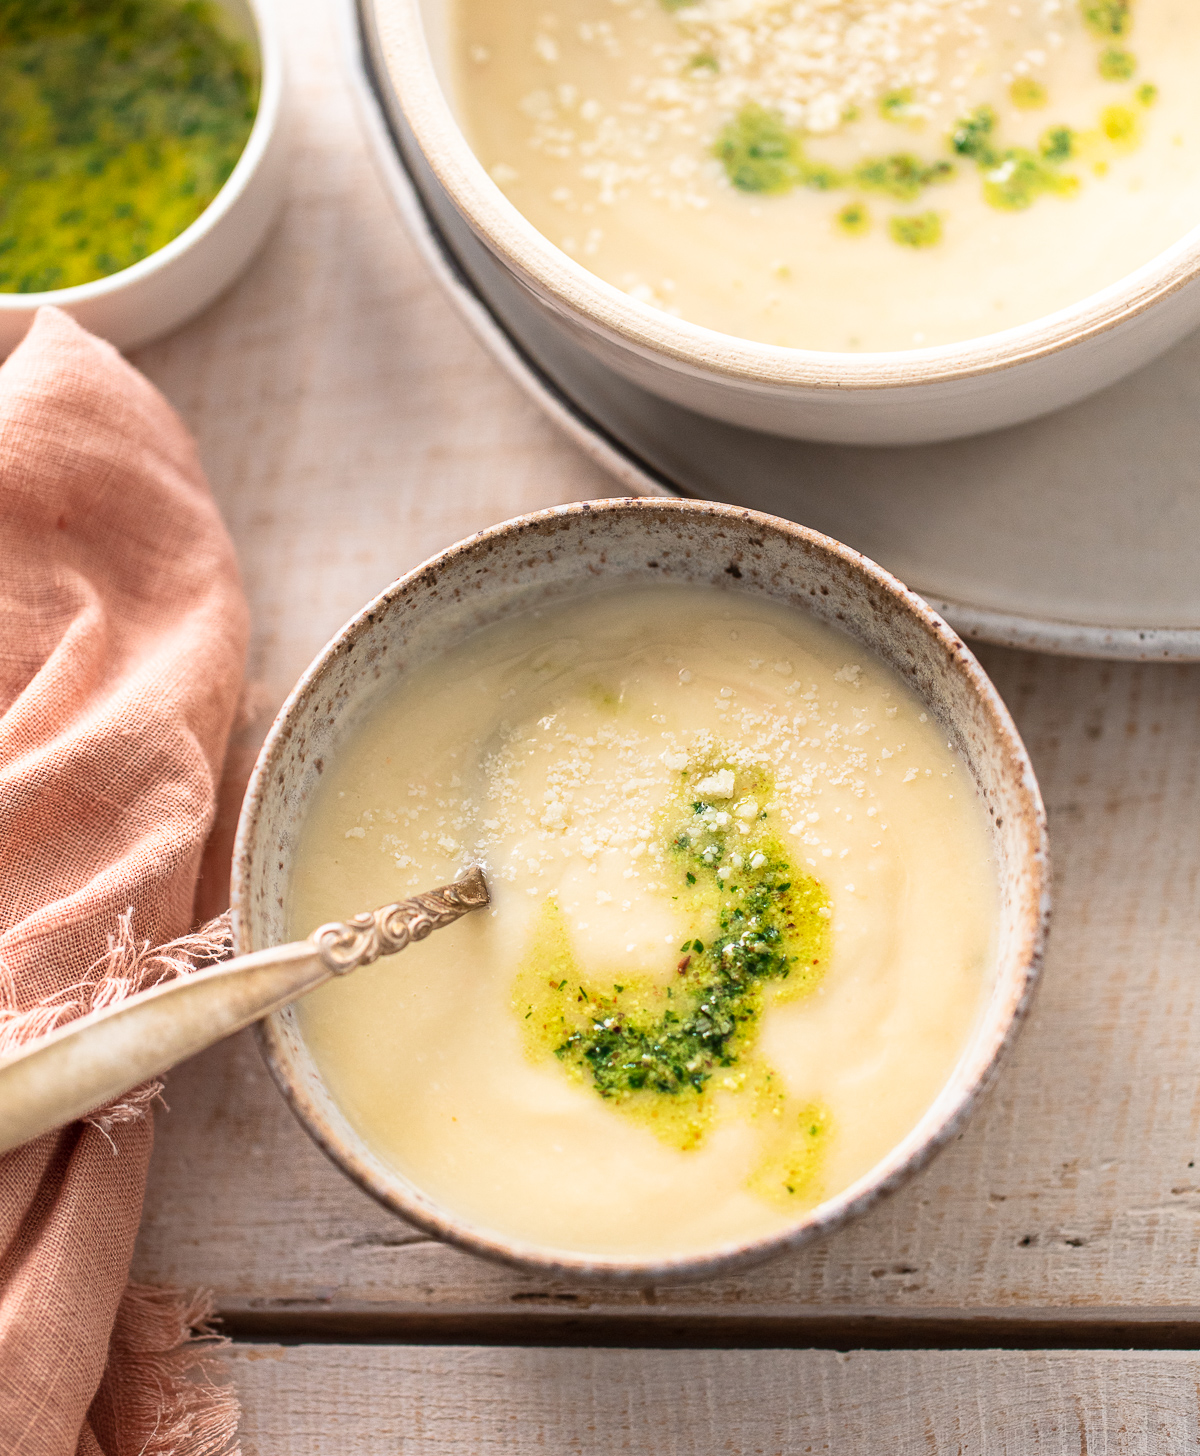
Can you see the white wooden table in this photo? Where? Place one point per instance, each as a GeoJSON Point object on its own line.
{"type": "Point", "coordinates": [1036, 1290]}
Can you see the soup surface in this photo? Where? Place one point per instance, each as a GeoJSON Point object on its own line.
{"type": "Point", "coordinates": [842, 174]}
{"type": "Point", "coordinates": [742, 920]}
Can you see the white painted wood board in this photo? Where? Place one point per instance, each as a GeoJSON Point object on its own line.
{"type": "Point", "coordinates": [351, 426]}
{"type": "Point", "coordinates": [1074, 1191]}
{"type": "Point", "coordinates": [355, 1401]}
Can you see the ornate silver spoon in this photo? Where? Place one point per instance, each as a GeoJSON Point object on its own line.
{"type": "Point", "coordinates": [96, 1058]}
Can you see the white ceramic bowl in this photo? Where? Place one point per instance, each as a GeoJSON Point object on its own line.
{"type": "Point", "coordinates": [904, 397]}
{"type": "Point", "coordinates": [163, 290]}
{"type": "Point", "coordinates": [544, 557]}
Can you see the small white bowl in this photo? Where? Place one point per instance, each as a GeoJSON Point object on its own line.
{"type": "Point", "coordinates": [549, 557]}
{"type": "Point", "coordinates": [160, 292]}
{"type": "Point", "coordinates": [900, 398]}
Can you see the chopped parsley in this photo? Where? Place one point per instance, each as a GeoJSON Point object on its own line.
{"type": "Point", "coordinates": [902, 175]}
{"type": "Point", "coordinates": [1021, 177]}
{"type": "Point", "coordinates": [760, 154]}
{"type": "Point", "coordinates": [657, 1046]}
{"type": "Point", "coordinates": [922, 230]}
{"type": "Point", "coordinates": [1057, 144]}
{"type": "Point", "coordinates": [1015, 177]}
{"type": "Point", "coordinates": [898, 106]}
{"type": "Point", "coordinates": [1116, 65]}
{"type": "Point", "coordinates": [1108, 17]}
{"type": "Point", "coordinates": [854, 219]}
{"type": "Point", "coordinates": [973, 137]}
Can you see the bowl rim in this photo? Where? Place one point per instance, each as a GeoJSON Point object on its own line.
{"type": "Point", "coordinates": [266, 120]}
{"type": "Point", "coordinates": [396, 30]}
{"type": "Point", "coordinates": [1032, 914]}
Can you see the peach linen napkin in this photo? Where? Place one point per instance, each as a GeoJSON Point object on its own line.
{"type": "Point", "coordinates": [122, 640]}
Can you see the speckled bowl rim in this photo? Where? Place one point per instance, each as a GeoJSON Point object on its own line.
{"type": "Point", "coordinates": [266, 121]}
{"type": "Point", "coordinates": [650, 331]}
{"type": "Point", "coordinates": [1031, 919]}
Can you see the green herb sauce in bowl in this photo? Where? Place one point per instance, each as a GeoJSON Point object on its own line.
{"type": "Point", "coordinates": [119, 124]}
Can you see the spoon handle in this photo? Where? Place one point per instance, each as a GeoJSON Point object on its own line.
{"type": "Point", "coordinates": [93, 1060]}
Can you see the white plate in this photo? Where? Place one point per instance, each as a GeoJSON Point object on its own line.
{"type": "Point", "coordinates": [1079, 533]}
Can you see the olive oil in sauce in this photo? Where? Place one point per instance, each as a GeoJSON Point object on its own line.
{"type": "Point", "coordinates": [120, 120]}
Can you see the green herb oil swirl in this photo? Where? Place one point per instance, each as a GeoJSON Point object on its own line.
{"type": "Point", "coordinates": [665, 1048]}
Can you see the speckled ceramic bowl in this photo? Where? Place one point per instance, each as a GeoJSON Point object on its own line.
{"type": "Point", "coordinates": [162, 291]}
{"type": "Point", "coordinates": [538, 558]}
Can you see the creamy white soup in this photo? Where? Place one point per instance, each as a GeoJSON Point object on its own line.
{"type": "Point", "coordinates": [842, 174]}
{"type": "Point", "coordinates": [742, 921]}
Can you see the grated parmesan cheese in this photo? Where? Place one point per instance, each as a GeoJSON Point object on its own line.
{"type": "Point", "coordinates": [664, 77]}
{"type": "Point", "coordinates": [817, 60]}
